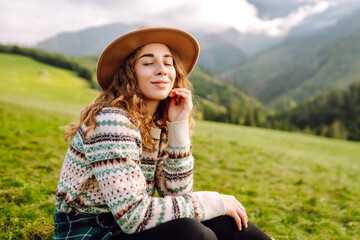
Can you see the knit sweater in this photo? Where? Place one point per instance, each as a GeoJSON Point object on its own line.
{"type": "Point", "coordinates": [110, 171]}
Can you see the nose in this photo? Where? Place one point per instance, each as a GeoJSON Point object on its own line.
{"type": "Point", "coordinates": [161, 70]}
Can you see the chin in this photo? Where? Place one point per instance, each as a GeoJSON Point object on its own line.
{"type": "Point", "coordinates": [158, 97]}
{"type": "Point", "coordinates": [161, 96]}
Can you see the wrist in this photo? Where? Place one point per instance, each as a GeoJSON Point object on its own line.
{"type": "Point", "coordinates": [178, 134]}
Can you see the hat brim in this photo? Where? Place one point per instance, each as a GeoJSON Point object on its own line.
{"type": "Point", "coordinates": [113, 56]}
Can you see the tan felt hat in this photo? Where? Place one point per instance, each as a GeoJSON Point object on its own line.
{"type": "Point", "coordinates": [183, 43]}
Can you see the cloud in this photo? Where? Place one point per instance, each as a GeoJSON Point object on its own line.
{"type": "Point", "coordinates": [244, 16]}
{"type": "Point", "coordinates": [26, 22]}
{"type": "Point", "coordinates": [282, 26]}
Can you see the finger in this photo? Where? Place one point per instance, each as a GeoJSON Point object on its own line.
{"type": "Point", "coordinates": [239, 205]}
{"type": "Point", "coordinates": [243, 217]}
{"type": "Point", "coordinates": [171, 94]}
{"type": "Point", "coordinates": [184, 100]}
{"type": "Point", "coordinates": [237, 219]}
{"type": "Point", "coordinates": [242, 207]}
{"type": "Point", "coordinates": [182, 90]}
{"type": "Point", "coordinates": [172, 100]}
{"type": "Point", "coordinates": [174, 90]}
{"type": "Point", "coordinates": [247, 219]}
{"type": "Point", "coordinates": [184, 94]}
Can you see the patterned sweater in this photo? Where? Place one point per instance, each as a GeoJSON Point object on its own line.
{"type": "Point", "coordinates": [111, 172]}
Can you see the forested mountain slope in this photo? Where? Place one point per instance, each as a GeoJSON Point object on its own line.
{"type": "Point", "coordinates": [331, 114]}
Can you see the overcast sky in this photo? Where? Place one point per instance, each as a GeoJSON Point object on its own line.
{"type": "Point", "coordinates": [26, 22]}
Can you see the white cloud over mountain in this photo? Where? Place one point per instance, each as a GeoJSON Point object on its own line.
{"type": "Point", "coordinates": [26, 22]}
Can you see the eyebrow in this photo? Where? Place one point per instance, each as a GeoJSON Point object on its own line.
{"type": "Point", "coordinates": [152, 55]}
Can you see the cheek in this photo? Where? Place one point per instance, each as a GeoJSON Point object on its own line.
{"type": "Point", "coordinates": [141, 76]}
{"type": "Point", "coordinates": [173, 75]}
{"type": "Point", "coordinates": [172, 84]}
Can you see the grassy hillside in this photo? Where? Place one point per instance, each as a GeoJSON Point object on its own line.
{"type": "Point", "coordinates": [294, 186]}
{"type": "Point", "coordinates": [30, 83]}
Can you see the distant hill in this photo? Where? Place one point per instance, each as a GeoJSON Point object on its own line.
{"type": "Point", "coordinates": [86, 42]}
{"type": "Point", "coordinates": [266, 76]}
{"type": "Point", "coordinates": [218, 51]}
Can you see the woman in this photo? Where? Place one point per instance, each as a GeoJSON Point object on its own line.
{"type": "Point", "coordinates": [134, 139]}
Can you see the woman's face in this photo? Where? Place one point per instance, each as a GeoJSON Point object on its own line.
{"type": "Point", "coordinates": [155, 71]}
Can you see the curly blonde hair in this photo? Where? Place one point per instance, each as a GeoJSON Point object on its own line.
{"type": "Point", "coordinates": [124, 93]}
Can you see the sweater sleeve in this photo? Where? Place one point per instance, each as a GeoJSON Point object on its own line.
{"type": "Point", "coordinates": [174, 173]}
{"type": "Point", "coordinates": [174, 169]}
{"type": "Point", "coordinates": [114, 151]}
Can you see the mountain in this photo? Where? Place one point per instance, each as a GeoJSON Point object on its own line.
{"type": "Point", "coordinates": [218, 53]}
{"type": "Point", "coordinates": [220, 49]}
{"type": "Point", "coordinates": [251, 43]}
{"type": "Point", "coordinates": [334, 65]}
{"type": "Point", "coordinates": [86, 42]}
{"type": "Point", "coordinates": [281, 69]}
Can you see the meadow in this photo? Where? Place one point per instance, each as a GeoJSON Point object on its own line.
{"type": "Point", "coordinates": [294, 186]}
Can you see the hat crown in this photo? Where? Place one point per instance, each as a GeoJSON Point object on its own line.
{"type": "Point", "coordinates": [145, 26]}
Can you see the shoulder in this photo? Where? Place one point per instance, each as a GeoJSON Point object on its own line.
{"type": "Point", "coordinates": [113, 122]}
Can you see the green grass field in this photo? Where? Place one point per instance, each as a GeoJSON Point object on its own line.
{"type": "Point", "coordinates": [294, 186]}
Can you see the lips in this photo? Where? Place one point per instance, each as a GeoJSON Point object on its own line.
{"type": "Point", "coordinates": [160, 83]}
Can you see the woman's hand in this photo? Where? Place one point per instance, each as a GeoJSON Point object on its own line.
{"type": "Point", "coordinates": [180, 104]}
{"type": "Point", "coordinates": [235, 209]}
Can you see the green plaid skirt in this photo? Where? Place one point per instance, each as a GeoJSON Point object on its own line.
{"type": "Point", "coordinates": [75, 225]}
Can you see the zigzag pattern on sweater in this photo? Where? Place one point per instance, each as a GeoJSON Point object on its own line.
{"type": "Point", "coordinates": [101, 155]}
{"type": "Point", "coordinates": [178, 176]}
{"type": "Point", "coordinates": [180, 189]}
{"type": "Point", "coordinates": [181, 167]}
{"type": "Point", "coordinates": [112, 138]}
{"type": "Point", "coordinates": [110, 161]}
{"type": "Point", "coordinates": [77, 143]}
{"type": "Point", "coordinates": [148, 214]}
{"type": "Point", "coordinates": [106, 110]}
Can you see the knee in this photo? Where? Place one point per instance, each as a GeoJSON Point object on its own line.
{"type": "Point", "coordinates": [196, 231]}
{"type": "Point", "coordinates": [205, 234]}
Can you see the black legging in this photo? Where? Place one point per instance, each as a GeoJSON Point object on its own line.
{"type": "Point", "coordinates": [219, 228]}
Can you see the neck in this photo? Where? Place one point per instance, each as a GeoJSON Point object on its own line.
{"type": "Point", "coordinates": [152, 106]}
